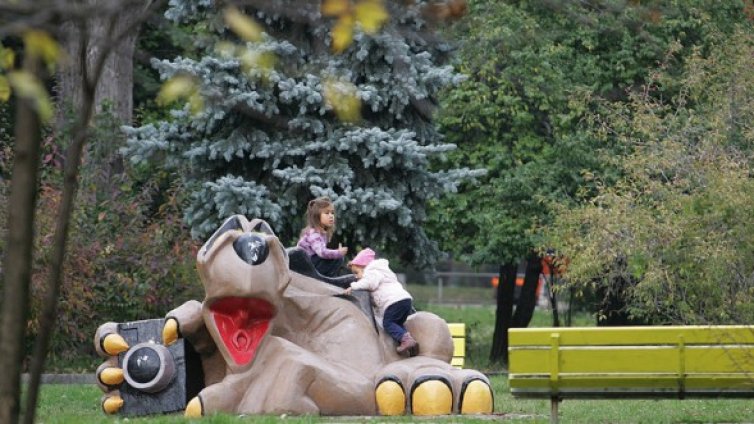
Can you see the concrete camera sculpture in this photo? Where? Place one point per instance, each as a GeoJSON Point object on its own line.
{"type": "Point", "coordinates": [153, 378]}
{"type": "Point", "coordinates": [271, 340]}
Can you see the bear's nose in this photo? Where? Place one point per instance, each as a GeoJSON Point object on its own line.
{"type": "Point", "coordinates": [252, 248]}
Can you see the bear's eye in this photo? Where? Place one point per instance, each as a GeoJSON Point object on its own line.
{"type": "Point", "coordinates": [252, 248]}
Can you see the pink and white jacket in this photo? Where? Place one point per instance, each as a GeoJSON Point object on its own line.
{"type": "Point", "coordinates": [384, 285]}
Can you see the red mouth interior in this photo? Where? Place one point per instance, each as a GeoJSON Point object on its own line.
{"type": "Point", "coordinates": [242, 323]}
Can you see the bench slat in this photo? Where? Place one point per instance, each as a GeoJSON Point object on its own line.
{"type": "Point", "coordinates": [590, 336]}
{"type": "Point", "coordinates": [459, 347]}
{"type": "Point", "coordinates": [713, 383]}
{"type": "Point", "coordinates": [458, 333]}
{"type": "Point", "coordinates": [457, 329]}
{"type": "Point", "coordinates": [634, 359]}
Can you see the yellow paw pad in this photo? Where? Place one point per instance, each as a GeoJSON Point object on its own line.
{"type": "Point", "coordinates": [391, 400]}
{"type": "Point", "coordinates": [476, 398]}
{"type": "Point", "coordinates": [431, 397]}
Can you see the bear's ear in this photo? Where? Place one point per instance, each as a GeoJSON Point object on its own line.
{"type": "Point", "coordinates": [261, 226]}
{"type": "Point", "coordinates": [235, 222]}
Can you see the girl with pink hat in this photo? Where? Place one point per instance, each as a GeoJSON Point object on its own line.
{"type": "Point", "coordinates": [392, 303]}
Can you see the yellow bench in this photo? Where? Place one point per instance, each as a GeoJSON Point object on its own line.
{"type": "Point", "coordinates": [644, 362]}
{"type": "Point", "coordinates": [458, 332]}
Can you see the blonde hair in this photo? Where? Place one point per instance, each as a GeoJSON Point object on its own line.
{"type": "Point", "coordinates": [313, 211]}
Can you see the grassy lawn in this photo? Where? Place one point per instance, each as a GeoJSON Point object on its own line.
{"type": "Point", "coordinates": [480, 325]}
{"type": "Point", "coordinates": [429, 294]}
{"type": "Point", "coordinates": [80, 404]}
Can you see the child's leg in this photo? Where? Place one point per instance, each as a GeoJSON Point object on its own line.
{"type": "Point", "coordinates": [394, 318]}
{"type": "Point", "coordinates": [327, 267]}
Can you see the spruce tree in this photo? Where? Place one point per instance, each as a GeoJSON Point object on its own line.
{"type": "Point", "coordinates": [267, 140]}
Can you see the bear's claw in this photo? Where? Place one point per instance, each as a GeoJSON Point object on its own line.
{"type": "Point", "coordinates": [476, 397]}
{"type": "Point", "coordinates": [390, 396]}
{"type": "Point", "coordinates": [194, 408]}
{"type": "Point", "coordinates": [431, 395]}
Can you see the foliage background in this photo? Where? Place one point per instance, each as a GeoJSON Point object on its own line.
{"type": "Point", "coordinates": [129, 257]}
{"type": "Point", "coordinates": [618, 132]}
{"type": "Point", "coordinates": [269, 139]}
{"type": "Point", "coordinates": [537, 71]}
{"type": "Point", "coordinates": [678, 217]}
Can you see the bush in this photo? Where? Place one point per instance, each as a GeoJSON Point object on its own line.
{"type": "Point", "coordinates": [128, 257]}
{"type": "Point", "coordinates": [675, 231]}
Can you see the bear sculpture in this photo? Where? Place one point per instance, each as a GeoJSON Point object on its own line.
{"type": "Point", "coordinates": [273, 341]}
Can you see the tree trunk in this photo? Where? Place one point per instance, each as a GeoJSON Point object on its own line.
{"type": "Point", "coordinates": [551, 294]}
{"type": "Point", "coordinates": [18, 254]}
{"type": "Point", "coordinates": [553, 302]}
{"type": "Point", "coordinates": [505, 290]}
{"type": "Point", "coordinates": [569, 313]}
{"type": "Point", "coordinates": [115, 87]}
{"type": "Point", "coordinates": [527, 300]}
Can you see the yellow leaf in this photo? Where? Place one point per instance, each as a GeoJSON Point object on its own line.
{"type": "Point", "coordinates": [196, 103]}
{"type": "Point", "coordinates": [7, 58]}
{"type": "Point", "coordinates": [343, 98]}
{"type": "Point", "coordinates": [267, 61]}
{"type": "Point", "coordinates": [371, 14]}
{"type": "Point", "coordinates": [342, 33]}
{"type": "Point", "coordinates": [242, 25]}
{"type": "Point", "coordinates": [4, 89]}
{"type": "Point", "coordinates": [181, 86]}
{"type": "Point", "coordinates": [225, 49]}
{"type": "Point", "coordinates": [257, 60]}
{"type": "Point", "coordinates": [40, 44]}
{"type": "Point", "coordinates": [335, 7]}
{"type": "Point", "coordinates": [28, 86]}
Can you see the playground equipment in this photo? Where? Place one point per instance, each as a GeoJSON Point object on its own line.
{"type": "Point", "coordinates": [271, 340]}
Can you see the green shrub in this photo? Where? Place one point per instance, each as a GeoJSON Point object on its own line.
{"type": "Point", "coordinates": [128, 257]}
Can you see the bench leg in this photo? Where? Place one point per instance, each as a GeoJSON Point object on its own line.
{"type": "Point", "coordinates": [554, 409]}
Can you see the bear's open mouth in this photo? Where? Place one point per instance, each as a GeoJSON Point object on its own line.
{"type": "Point", "coordinates": [242, 323]}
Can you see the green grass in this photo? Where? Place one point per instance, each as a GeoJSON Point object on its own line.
{"type": "Point", "coordinates": [480, 325]}
{"type": "Point", "coordinates": [80, 404]}
{"type": "Point", "coordinates": [429, 294]}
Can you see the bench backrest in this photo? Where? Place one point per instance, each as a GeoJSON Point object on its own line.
{"type": "Point", "coordinates": [458, 332]}
{"type": "Point", "coordinates": [672, 361]}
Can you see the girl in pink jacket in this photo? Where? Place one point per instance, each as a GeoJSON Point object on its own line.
{"type": "Point", "coordinates": [392, 303]}
{"type": "Point", "coordinates": [320, 224]}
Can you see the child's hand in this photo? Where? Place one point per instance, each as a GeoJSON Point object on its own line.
{"type": "Point", "coordinates": [342, 250]}
{"type": "Point", "coordinates": [348, 291]}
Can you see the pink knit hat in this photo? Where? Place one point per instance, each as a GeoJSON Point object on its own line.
{"type": "Point", "coordinates": [364, 257]}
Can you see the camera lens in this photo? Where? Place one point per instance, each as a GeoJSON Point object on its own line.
{"type": "Point", "coordinates": [149, 367]}
{"type": "Point", "coordinates": [144, 365]}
